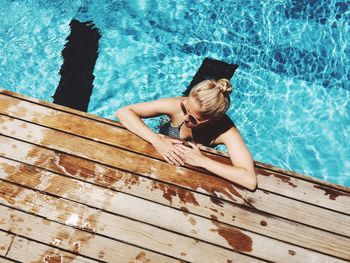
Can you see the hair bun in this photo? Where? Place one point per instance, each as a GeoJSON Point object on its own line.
{"type": "Point", "coordinates": [224, 86]}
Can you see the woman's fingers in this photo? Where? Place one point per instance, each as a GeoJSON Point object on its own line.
{"type": "Point", "coordinates": [176, 141]}
{"type": "Point", "coordinates": [194, 147]}
{"type": "Point", "coordinates": [177, 159]}
{"type": "Point", "coordinates": [177, 151]}
{"type": "Point", "coordinates": [192, 144]}
{"type": "Point", "coordinates": [177, 155]}
{"type": "Point", "coordinates": [182, 148]}
{"type": "Point", "coordinates": [174, 159]}
{"type": "Point", "coordinates": [167, 159]}
{"type": "Point", "coordinates": [171, 153]}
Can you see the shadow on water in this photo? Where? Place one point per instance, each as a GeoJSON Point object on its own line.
{"type": "Point", "coordinates": [79, 58]}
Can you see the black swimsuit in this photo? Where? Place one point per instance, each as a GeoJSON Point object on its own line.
{"type": "Point", "coordinates": [203, 135]}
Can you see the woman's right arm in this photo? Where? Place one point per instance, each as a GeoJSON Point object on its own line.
{"type": "Point", "coordinates": [131, 117]}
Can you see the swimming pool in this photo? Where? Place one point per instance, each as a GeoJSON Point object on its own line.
{"type": "Point", "coordinates": [292, 89]}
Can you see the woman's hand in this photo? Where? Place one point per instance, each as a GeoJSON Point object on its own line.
{"type": "Point", "coordinates": [166, 148]}
{"type": "Point", "coordinates": [192, 156]}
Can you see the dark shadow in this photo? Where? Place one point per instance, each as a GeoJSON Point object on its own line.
{"type": "Point", "coordinates": [79, 58]}
{"type": "Point", "coordinates": [211, 69]}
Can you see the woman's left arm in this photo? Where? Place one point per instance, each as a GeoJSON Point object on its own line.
{"type": "Point", "coordinates": [242, 169]}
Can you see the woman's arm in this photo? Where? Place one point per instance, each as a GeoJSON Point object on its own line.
{"type": "Point", "coordinates": [131, 117]}
{"type": "Point", "coordinates": [241, 172]}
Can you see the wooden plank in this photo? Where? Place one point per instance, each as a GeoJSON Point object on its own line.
{"type": "Point", "coordinates": [77, 241]}
{"type": "Point", "coordinates": [289, 177]}
{"type": "Point", "coordinates": [300, 212]}
{"type": "Point", "coordinates": [306, 178]}
{"type": "Point", "coordinates": [120, 228]}
{"type": "Point", "coordinates": [6, 260]}
{"type": "Point", "coordinates": [316, 194]}
{"type": "Point", "coordinates": [210, 231]}
{"type": "Point", "coordinates": [128, 206]}
{"type": "Point", "coordinates": [261, 200]}
{"type": "Point", "coordinates": [58, 107]}
{"type": "Point", "coordinates": [5, 241]}
{"type": "Point", "coordinates": [275, 182]}
{"type": "Point", "coordinates": [321, 193]}
{"type": "Point", "coordinates": [20, 249]}
{"type": "Point", "coordinates": [25, 250]}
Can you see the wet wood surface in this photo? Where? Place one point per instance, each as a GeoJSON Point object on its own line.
{"type": "Point", "coordinates": [75, 187]}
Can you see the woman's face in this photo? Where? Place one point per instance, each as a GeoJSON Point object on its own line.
{"type": "Point", "coordinates": [191, 110]}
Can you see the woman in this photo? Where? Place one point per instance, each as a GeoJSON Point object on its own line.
{"type": "Point", "coordinates": [201, 118]}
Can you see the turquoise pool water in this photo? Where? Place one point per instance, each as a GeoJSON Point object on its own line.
{"type": "Point", "coordinates": [292, 89]}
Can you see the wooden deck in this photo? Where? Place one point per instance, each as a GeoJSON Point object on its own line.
{"type": "Point", "coordinates": [79, 188]}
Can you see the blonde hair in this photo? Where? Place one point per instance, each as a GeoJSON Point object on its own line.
{"type": "Point", "coordinates": [213, 97]}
